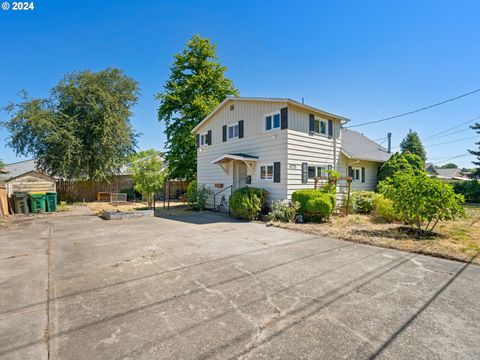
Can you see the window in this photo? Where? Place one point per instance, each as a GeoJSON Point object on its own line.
{"type": "Point", "coordinates": [203, 139]}
{"type": "Point", "coordinates": [316, 171]}
{"type": "Point", "coordinates": [320, 127]}
{"type": "Point", "coordinates": [266, 172]}
{"type": "Point", "coordinates": [233, 131]}
{"type": "Point", "coordinates": [272, 121]}
{"type": "Point", "coordinates": [356, 174]}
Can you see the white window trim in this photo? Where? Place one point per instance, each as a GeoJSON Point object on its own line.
{"type": "Point", "coordinates": [359, 174]}
{"type": "Point", "coordinates": [265, 121]}
{"type": "Point", "coordinates": [228, 132]}
{"type": "Point", "coordinates": [324, 166]}
{"type": "Point", "coordinates": [204, 137]}
{"type": "Point", "coordinates": [320, 120]}
{"type": "Point", "coordinates": [259, 174]}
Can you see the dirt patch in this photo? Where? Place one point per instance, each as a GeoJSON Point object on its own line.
{"type": "Point", "coordinates": [458, 240]}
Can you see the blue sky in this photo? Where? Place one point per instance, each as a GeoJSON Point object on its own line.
{"type": "Point", "coordinates": [364, 60]}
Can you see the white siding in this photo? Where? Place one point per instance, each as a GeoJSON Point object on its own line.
{"type": "Point", "coordinates": [316, 149]}
{"type": "Point", "coordinates": [30, 182]}
{"type": "Point", "coordinates": [371, 172]}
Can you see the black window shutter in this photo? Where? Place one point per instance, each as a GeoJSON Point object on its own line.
{"type": "Point", "coordinates": [350, 171]}
{"type": "Point", "coordinates": [276, 172]}
{"type": "Point", "coordinates": [240, 129]}
{"type": "Point", "coordinates": [224, 133]}
{"type": "Point", "coordinates": [209, 137]}
{"type": "Point", "coordinates": [198, 140]}
{"type": "Point", "coordinates": [330, 128]}
{"type": "Point", "coordinates": [304, 173]}
{"type": "Point", "coordinates": [363, 174]}
{"type": "Point", "coordinates": [284, 118]}
{"type": "Point", "coordinates": [311, 123]}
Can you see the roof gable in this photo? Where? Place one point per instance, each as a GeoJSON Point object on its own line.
{"type": "Point", "coordinates": [259, 99]}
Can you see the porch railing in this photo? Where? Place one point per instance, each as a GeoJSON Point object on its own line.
{"type": "Point", "coordinates": [218, 193]}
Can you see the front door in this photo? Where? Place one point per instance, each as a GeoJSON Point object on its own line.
{"type": "Point", "coordinates": [239, 175]}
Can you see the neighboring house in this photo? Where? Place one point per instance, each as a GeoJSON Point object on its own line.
{"type": "Point", "coordinates": [445, 174]}
{"type": "Point", "coordinates": [24, 176]}
{"type": "Point", "coordinates": [280, 145]}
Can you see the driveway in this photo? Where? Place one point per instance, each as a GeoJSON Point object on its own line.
{"type": "Point", "coordinates": [198, 286]}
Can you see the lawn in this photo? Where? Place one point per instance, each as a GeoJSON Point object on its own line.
{"type": "Point", "coordinates": [459, 240]}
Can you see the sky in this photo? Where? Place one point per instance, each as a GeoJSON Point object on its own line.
{"type": "Point", "coordinates": [364, 60]}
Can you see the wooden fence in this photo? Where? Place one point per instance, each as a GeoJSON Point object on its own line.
{"type": "Point", "coordinates": [71, 190]}
{"type": "Point", "coordinates": [87, 190]}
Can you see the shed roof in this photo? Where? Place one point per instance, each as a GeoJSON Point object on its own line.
{"type": "Point", "coordinates": [17, 169]}
{"type": "Point", "coordinates": [358, 146]}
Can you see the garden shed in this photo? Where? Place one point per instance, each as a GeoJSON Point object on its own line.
{"type": "Point", "coordinates": [23, 176]}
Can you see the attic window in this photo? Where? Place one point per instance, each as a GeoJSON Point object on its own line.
{"type": "Point", "coordinates": [232, 107]}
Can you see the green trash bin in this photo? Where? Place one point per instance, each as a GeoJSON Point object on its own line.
{"type": "Point", "coordinates": [20, 203]}
{"type": "Point", "coordinates": [37, 203]}
{"type": "Point", "coordinates": [51, 200]}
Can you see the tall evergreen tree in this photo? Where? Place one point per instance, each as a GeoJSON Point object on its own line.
{"type": "Point", "coordinates": [412, 144]}
{"type": "Point", "coordinates": [197, 84]}
{"type": "Point", "coordinates": [476, 127]}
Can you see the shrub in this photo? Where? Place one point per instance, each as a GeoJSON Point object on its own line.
{"type": "Point", "coordinates": [131, 193]}
{"type": "Point", "coordinates": [248, 202]}
{"type": "Point", "coordinates": [383, 209]}
{"type": "Point", "coordinates": [363, 201]}
{"type": "Point", "coordinates": [315, 205]}
{"type": "Point", "coordinates": [421, 201]}
{"type": "Point", "coordinates": [197, 195]}
{"type": "Point", "coordinates": [284, 211]}
{"type": "Point", "coordinates": [398, 162]}
{"type": "Point", "coordinates": [469, 189]}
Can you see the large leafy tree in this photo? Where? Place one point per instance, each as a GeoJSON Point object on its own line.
{"type": "Point", "coordinates": [476, 173]}
{"type": "Point", "coordinates": [412, 144]}
{"type": "Point", "coordinates": [197, 84]}
{"type": "Point", "coordinates": [82, 130]}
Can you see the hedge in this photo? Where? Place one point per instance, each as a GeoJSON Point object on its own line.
{"type": "Point", "coordinates": [469, 189]}
{"type": "Point", "coordinates": [315, 205]}
{"type": "Point", "coordinates": [248, 202]}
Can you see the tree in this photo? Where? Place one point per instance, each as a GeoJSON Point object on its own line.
{"type": "Point", "coordinates": [2, 164]}
{"type": "Point", "coordinates": [197, 84]}
{"type": "Point", "coordinates": [476, 173]}
{"type": "Point", "coordinates": [412, 144]}
{"type": "Point", "coordinates": [148, 176]}
{"type": "Point", "coordinates": [421, 201]}
{"type": "Point", "coordinates": [449, 166]}
{"type": "Point", "coordinates": [82, 130]}
{"type": "Point", "coordinates": [399, 162]}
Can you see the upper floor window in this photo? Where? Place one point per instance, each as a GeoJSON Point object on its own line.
{"type": "Point", "coordinates": [233, 131]}
{"type": "Point", "coordinates": [272, 121]}
{"type": "Point", "coordinates": [320, 127]}
{"type": "Point", "coordinates": [203, 139]}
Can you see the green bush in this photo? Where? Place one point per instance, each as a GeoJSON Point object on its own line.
{"type": "Point", "coordinates": [248, 202]}
{"type": "Point", "coordinates": [383, 209]}
{"type": "Point", "coordinates": [363, 201]}
{"type": "Point", "coordinates": [421, 201]}
{"type": "Point", "coordinates": [284, 211]}
{"type": "Point", "coordinates": [131, 193]}
{"type": "Point", "coordinates": [197, 195]}
{"type": "Point", "coordinates": [315, 205]}
{"type": "Point", "coordinates": [469, 189]}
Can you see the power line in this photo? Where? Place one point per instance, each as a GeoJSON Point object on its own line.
{"type": "Point", "coordinates": [453, 157]}
{"type": "Point", "coordinates": [452, 128]}
{"type": "Point", "coordinates": [453, 141]}
{"type": "Point", "coordinates": [446, 135]}
{"type": "Point", "coordinates": [415, 111]}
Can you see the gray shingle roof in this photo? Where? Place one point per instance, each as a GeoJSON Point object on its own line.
{"type": "Point", "coordinates": [17, 169]}
{"type": "Point", "coordinates": [358, 146]}
{"type": "Point", "coordinates": [450, 173]}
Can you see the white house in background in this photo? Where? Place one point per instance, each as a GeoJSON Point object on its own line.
{"type": "Point", "coordinates": [280, 145]}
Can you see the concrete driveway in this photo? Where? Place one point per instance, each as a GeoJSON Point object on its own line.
{"type": "Point", "coordinates": [200, 286]}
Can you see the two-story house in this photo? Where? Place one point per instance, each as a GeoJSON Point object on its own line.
{"type": "Point", "coordinates": [280, 145]}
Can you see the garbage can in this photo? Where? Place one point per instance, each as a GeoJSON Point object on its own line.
{"type": "Point", "coordinates": [37, 203]}
{"type": "Point", "coordinates": [20, 203]}
{"type": "Point", "coordinates": [51, 200]}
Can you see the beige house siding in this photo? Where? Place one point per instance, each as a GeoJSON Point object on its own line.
{"type": "Point", "coordinates": [30, 182]}
{"type": "Point", "coordinates": [316, 149]}
{"type": "Point", "coordinates": [269, 147]}
{"type": "Point", "coordinates": [371, 172]}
